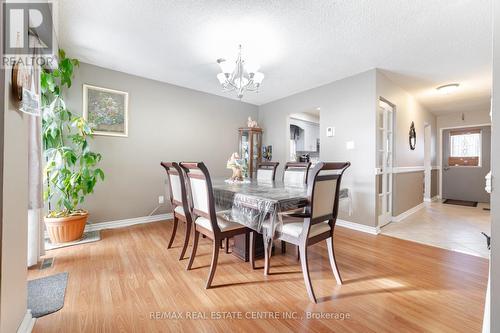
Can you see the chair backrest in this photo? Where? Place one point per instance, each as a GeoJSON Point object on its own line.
{"type": "Point", "coordinates": [176, 186]}
{"type": "Point", "coordinates": [323, 190]}
{"type": "Point", "coordinates": [267, 171]}
{"type": "Point", "coordinates": [296, 173]}
{"type": "Point", "coordinates": [201, 192]}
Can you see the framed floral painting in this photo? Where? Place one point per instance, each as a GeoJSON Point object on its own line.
{"type": "Point", "coordinates": [106, 110]}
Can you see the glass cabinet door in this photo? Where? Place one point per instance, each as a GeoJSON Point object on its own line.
{"type": "Point", "coordinates": [244, 146]}
{"type": "Point", "coordinates": [255, 150]}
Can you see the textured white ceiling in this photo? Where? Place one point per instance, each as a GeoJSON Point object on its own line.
{"type": "Point", "coordinates": [299, 44]}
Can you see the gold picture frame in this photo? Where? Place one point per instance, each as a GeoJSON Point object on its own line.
{"type": "Point", "coordinates": [106, 110]}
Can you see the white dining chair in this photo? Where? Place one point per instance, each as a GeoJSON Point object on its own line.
{"type": "Point", "coordinates": [316, 221]}
{"type": "Point", "coordinates": [296, 173]}
{"type": "Point", "coordinates": [179, 202]}
{"type": "Point", "coordinates": [206, 221]}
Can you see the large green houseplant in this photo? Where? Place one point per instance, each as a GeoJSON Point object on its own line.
{"type": "Point", "coordinates": [71, 167]}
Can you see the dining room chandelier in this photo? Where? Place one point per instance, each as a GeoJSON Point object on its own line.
{"type": "Point", "coordinates": [239, 76]}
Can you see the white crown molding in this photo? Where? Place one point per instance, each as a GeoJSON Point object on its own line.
{"type": "Point", "coordinates": [358, 227]}
{"type": "Point", "coordinates": [410, 211]}
{"type": "Point", "coordinates": [27, 324]}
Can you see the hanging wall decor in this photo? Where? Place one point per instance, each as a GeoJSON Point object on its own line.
{"type": "Point", "coordinates": [412, 136]}
{"type": "Point", "coordinates": [106, 110]}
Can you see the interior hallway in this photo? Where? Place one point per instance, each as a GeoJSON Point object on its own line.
{"type": "Point", "coordinates": [450, 227]}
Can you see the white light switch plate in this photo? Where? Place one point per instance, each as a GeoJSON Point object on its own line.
{"type": "Point", "coordinates": [161, 199]}
{"type": "Point", "coordinates": [349, 145]}
{"type": "Point", "coordinates": [330, 131]}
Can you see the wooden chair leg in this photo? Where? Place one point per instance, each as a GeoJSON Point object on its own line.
{"type": "Point", "coordinates": [252, 248]}
{"type": "Point", "coordinates": [297, 251]}
{"type": "Point", "coordinates": [193, 250]}
{"type": "Point", "coordinates": [186, 240]}
{"type": "Point", "coordinates": [227, 245]}
{"type": "Point", "coordinates": [174, 230]}
{"type": "Point", "coordinates": [333, 263]}
{"type": "Point", "coordinates": [213, 266]}
{"type": "Point", "coordinates": [283, 247]}
{"type": "Point", "coordinates": [305, 272]}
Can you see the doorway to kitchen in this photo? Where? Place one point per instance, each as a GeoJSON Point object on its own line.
{"type": "Point", "coordinates": [304, 138]}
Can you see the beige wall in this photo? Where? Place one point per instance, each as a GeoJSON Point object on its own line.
{"type": "Point", "coordinates": [471, 118]}
{"type": "Point", "coordinates": [14, 215]}
{"type": "Point", "coordinates": [408, 191]}
{"type": "Point", "coordinates": [434, 183]}
{"type": "Point", "coordinates": [407, 110]}
{"type": "Point", "coordinates": [349, 106]}
{"type": "Point", "coordinates": [166, 122]}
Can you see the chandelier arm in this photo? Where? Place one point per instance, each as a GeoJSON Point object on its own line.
{"type": "Point", "coordinates": [235, 80]}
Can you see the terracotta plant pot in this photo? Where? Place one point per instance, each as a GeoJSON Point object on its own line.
{"type": "Point", "coordinates": [66, 229]}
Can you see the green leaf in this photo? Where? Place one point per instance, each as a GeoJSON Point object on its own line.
{"type": "Point", "coordinates": [62, 54]}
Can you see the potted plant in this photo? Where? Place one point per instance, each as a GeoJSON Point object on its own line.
{"type": "Point", "coordinates": [71, 167]}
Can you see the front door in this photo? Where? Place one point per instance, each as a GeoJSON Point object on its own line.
{"type": "Point", "coordinates": [466, 161]}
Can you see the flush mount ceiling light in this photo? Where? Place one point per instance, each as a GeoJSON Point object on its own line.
{"type": "Point", "coordinates": [447, 88]}
{"type": "Point", "coordinates": [239, 76]}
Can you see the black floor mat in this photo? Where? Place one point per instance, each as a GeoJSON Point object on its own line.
{"type": "Point", "coordinates": [461, 203]}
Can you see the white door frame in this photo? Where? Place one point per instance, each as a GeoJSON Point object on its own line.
{"type": "Point", "coordinates": [440, 152]}
{"type": "Point", "coordinates": [427, 162]}
{"type": "Point", "coordinates": [387, 151]}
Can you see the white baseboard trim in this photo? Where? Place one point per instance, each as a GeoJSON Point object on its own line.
{"type": "Point", "coordinates": [358, 227]}
{"type": "Point", "coordinates": [408, 213]}
{"type": "Point", "coordinates": [27, 323]}
{"type": "Point", "coordinates": [128, 222]}
{"type": "Point", "coordinates": [433, 199]}
{"type": "Point", "coordinates": [168, 216]}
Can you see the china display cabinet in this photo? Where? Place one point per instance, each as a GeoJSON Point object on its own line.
{"type": "Point", "coordinates": [250, 148]}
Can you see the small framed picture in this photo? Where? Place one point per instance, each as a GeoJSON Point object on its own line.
{"type": "Point", "coordinates": [106, 110]}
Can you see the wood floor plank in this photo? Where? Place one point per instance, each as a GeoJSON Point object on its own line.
{"type": "Point", "coordinates": [130, 282]}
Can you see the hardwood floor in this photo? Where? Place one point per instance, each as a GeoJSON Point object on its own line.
{"type": "Point", "coordinates": [390, 285]}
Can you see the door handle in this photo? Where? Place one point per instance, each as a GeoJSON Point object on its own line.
{"type": "Point", "coordinates": [446, 168]}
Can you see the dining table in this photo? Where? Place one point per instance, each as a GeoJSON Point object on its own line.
{"type": "Point", "coordinates": [257, 205]}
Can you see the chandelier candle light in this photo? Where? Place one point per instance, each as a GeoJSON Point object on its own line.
{"type": "Point", "coordinates": [239, 76]}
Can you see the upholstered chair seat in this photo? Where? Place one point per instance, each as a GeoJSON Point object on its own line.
{"type": "Point", "coordinates": [180, 210]}
{"type": "Point", "coordinates": [293, 226]}
{"type": "Point", "coordinates": [224, 224]}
